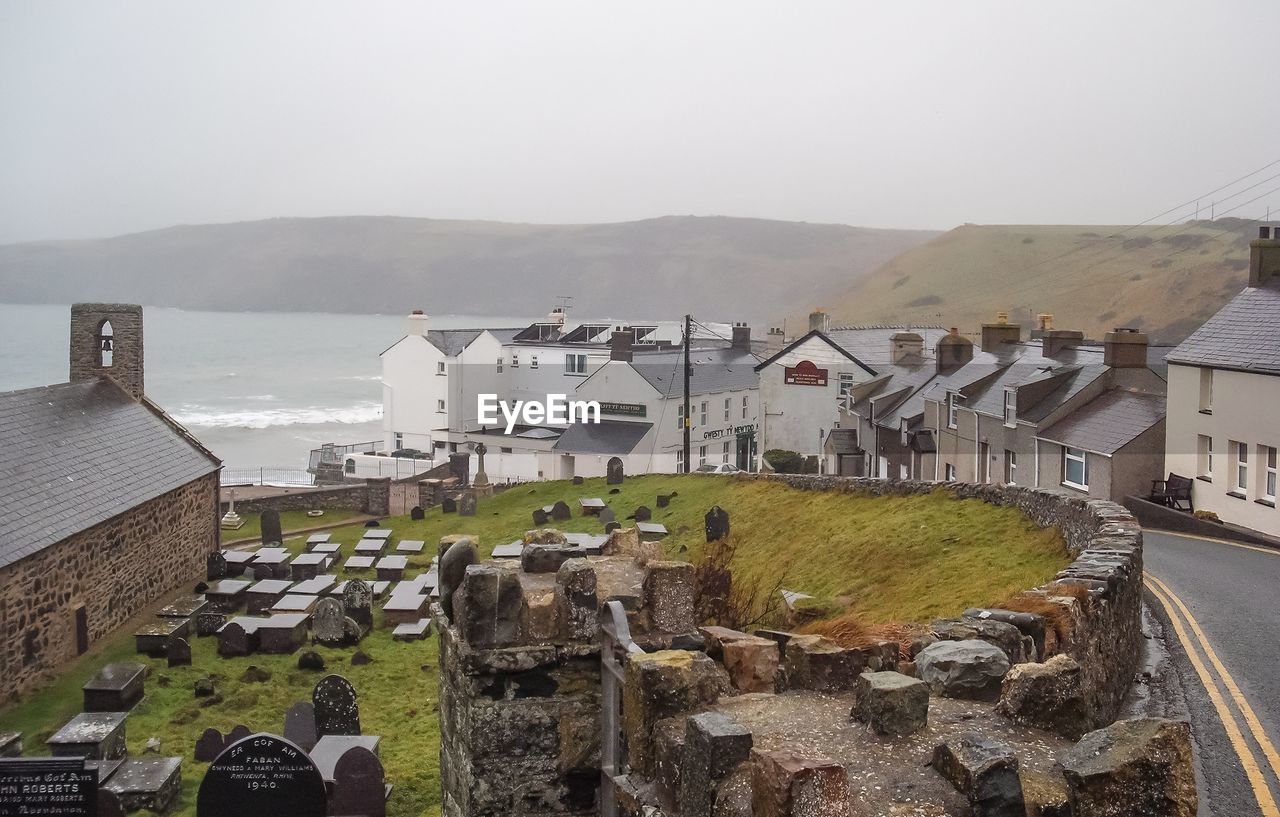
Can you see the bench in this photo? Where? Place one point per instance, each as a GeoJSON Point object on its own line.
{"type": "Point", "coordinates": [1172, 492]}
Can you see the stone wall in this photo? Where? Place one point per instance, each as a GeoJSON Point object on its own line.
{"type": "Point", "coordinates": [114, 569]}
{"type": "Point", "coordinates": [372, 497]}
{"type": "Point", "coordinates": [126, 357]}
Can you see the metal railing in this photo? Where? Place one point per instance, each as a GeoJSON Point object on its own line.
{"type": "Point", "coordinates": [615, 646]}
{"type": "Point", "coordinates": [265, 475]}
{"type": "Point", "coordinates": [332, 454]}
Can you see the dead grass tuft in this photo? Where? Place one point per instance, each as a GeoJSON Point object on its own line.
{"type": "Point", "coordinates": [848, 630]}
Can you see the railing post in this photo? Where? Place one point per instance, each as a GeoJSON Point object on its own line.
{"type": "Point", "coordinates": [615, 646]}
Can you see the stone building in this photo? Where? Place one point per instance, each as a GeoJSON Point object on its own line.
{"type": "Point", "coordinates": [107, 504]}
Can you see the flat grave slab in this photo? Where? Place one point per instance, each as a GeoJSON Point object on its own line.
{"type": "Point", "coordinates": [104, 768]}
{"type": "Point", "coordinates": [509, 551]}
{"type": "Point", "coordinates": [263, 594]}
{"type": "Point", "coordinates": [327, 548]}
{"type": "Point", "coordinates": [317, 539]}
{"type": "Point", "coordinates": [95, 735]}
{"type": "Point", "coordinates": [238, 557]}
{"type": "Point", "coordinates": [332, 747]}
{"type": "Point", "coordinates": [371, 546]}
{"type": "Point", "coordinates": [591, 506]}
{"type": "Point", "coordinates": [656, 530]}
{"type": "Point", "coordinates": [316, 586]}
{"type": "Point", "coordinates": [114, 688]}
{"type": "Point", "coordinates": [377, 533]}
{"type": "Point", "coordinates": [359, 563]}
{"type": "Point", "coordinates": [379, 589]}
{"type": "Point", "coordinates": [283, 633]}
{"type": "Point", "coordinates": [153, 639]}
{"type": "Point", "coordinates": [404, 607]}
{"type": "Point", "coordinates": [391, 568]}
{"type": "Point", "coordinates": [410, 546]}
{"type": "Point", "coordinates": [146, 782]}
{"type": "Point", "coordinates": [227, 595]}
{"type": "Point", "coordinates": [295, 603]}
{"type": "Point", "coordinates": [270, 556]}
{"type": "Point", "coordinates": [188, 606]}
{"type": "Point", "coordinates": [590, 543]}
{"type": "Point", "coordinates": [308, 565]}
{"type": "Point", "coordinates": [412, 630]}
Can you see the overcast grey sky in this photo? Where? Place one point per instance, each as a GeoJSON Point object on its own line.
{"type": "Point", "coordinates": [127, 116]}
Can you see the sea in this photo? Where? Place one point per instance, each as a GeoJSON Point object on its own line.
{"type": "Point", "coordinates": [259, 389]}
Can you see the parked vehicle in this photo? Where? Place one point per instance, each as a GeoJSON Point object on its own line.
{"type": "Point", "coordinates": [721, 468]}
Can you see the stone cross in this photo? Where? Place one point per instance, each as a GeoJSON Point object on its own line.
{"type": "Point", "coordinates": [481, 479]}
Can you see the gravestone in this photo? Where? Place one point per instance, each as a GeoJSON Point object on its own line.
{"type": "Point", "coordinates": [327, 622]}
{"type": "Point", "coordinates": [300, 725]}
{"type": "Point", "coordinates": [643, 514]}
{"type": "Point", "coordinates": [613, 471]}
{"type": "Point", "coordinates": [280, 571]}
{"type": "Point", "coordinates": [358, 784]}
{"type": "Point", "coordinates": [467, 504]}
{"type": "Point", "coordinates": [232, 641]}
{"type": "Point", "coordinates": [417, 514]}
{"type": "Point", "coordinates": [357, 602]}
{"type": "Point", "coordinates": [578, 480]}
{"type": "Point", "coordinates": [208, 623]}
{"type": "Point", "coordinates": [178, 651]}
{"type": "Point", "coordinates": [262, 776]}
{"type": "Point", "coordinates": [114, 688]}
{"type": "Point", "coordinates": [215, 566]}
{"type": "Point", "coordinates": [238, 732]}
{"type": "Point", "coordinates": [453, 566]}
{"type": "Point", "coordinates": [448, 505]}
{"type": "Point", "coordinates": [607, 515]}
{"type": "Point", "coordinates": [262, 572]}
{"type": "Point", "coordinates": [55, 786]}
{"type": "Point", "coordinates": [336, 710]}
{"type": "Point", "coordinates": [109, 804]}
{"type": "Point", "coordinates": [210, 745]}
{"type": "Point", "coordinates": [539, 517]}
{"type": "Point", "coordinates": [717, 524]}
{"type": "Point", "coordinates": [270, 524]}
{"type": "Point", "coordinates": [664, 500]}
{"type": "Point", "coordinates": [373, 523]}
{"type": "Point", "coordinates": [481, 479]}
{"type": "Point", "coordinates": [611, 526]}
{"type": "Point", "coordinates": [560, 511]}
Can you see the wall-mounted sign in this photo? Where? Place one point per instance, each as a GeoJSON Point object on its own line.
{"type": "Point", "coordinates": [623, 409]}
{"type": "Point", "coordinates": [729, 432]}
{"type": "Point", "coordinates": [804, 373]}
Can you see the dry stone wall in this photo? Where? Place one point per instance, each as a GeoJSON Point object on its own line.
{"type": "Point", "coordinates": [373, 497]}
{"type": "Point", "coordinates": [114, 570]}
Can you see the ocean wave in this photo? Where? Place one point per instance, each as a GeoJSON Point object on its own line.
{"type": "Point", "coordinates": [361, 377]}
{"type": "Point", "coordinates": [267, 418]}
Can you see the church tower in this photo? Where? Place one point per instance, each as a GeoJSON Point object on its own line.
{"type": "Point", "coordinates": [106, 341]}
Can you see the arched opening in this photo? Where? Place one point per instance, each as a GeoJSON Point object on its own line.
{"type": "Point", "coordinates": [350, 466]}
{"type": "Point", "coordinates": [106, 340]}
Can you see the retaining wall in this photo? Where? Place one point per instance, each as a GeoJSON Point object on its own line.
{"type": "Point", "coordinates": [372, 497]}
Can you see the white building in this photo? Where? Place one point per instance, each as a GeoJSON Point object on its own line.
{"type": "Point", "coordinates": [1223, 426]}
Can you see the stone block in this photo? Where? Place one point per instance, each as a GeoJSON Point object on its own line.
{"type": "Point", "coordinates": [714, 745]}
{"type": "Point", "coordinates": [626, 542]}
{"type": "Point", "coordinates": [983, 770]}
{"type": "Point", "coordinates": [786, 784]}
{"type": "Point", "coordinates": [540, 558]}
{"type": "Point", "coordinates": [1003, 635]}
{"type": "Point", "coordinates": [1048, 696]}
{"type": "Point", "coordinates": [963, 669]}
{"type": "Point", "coordinates": [539, 616]}
{"type": "Point", "coordinates": [752, 663]}
{"type": "Point", "coordinates": [668, 761]}
{"type": "Point", "coordinates": [456, 555]}
{"type": "Point", "coordinates": [545, 536]}
{"type": "Point", "coordinates": [576, 601]}
{"type": "Point", "coordinates": [817, 663]}
{"type": "Point", "coordinates": [661, 685]}
{"type": "Point", "coordinates": [488, 605]}
{"type": "Point", "coordinates": [1031, 625]}
{"type": "Point", "coordinates": [891, 703]}
{"type": "Point", "coordinates": [668, 595]}
{"type": "Point", "coordinates": [1134, 767]}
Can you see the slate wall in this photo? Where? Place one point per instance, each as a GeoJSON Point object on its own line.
{"type": "Point", "coordinates": [114, 569]}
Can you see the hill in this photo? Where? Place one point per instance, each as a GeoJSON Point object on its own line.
{"type": "Point", "coordinates": [723, 268]}
{"type": "Point", "coordinates": [1163, 281]}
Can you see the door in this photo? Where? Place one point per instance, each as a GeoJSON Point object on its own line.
{"type": "Point", "coordinates": [566, 466]}
{"type": "Point", "coordinates": [742, 458]}
{"type": "Point", "coordinates": [984, 462]}
{"type": "Point", "coordinates": [82, 630]}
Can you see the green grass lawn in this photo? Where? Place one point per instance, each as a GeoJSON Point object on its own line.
{"type": "Point", "coordinates": [898, 559]}
{"type": "Point", "coordinates": [289, 520]}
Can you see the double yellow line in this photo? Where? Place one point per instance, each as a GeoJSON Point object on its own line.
{"type": "Point", "coordinates": [1214, 682]}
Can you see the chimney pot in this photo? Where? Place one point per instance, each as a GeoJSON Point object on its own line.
{"type": "Point", "coordinates": [620, 345]}
{"type": "Point", "coordinates": [995, 335]}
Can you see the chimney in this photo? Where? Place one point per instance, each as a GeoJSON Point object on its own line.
{"type": "Point", "coordinates": [106, 341]}
{"type": "Point", "coordinates": [742, 337]}
{"type": "Point", "coordinates": [620, 345]}
{"type": "Point", "coordinates": [995, 335]}
{"type": "Point", "coordinates": [1055, 340]}
{"type": "Point", "coordinates": [417, 323]}
{"type": "Point", "coordinates": [1125, 349]}
{"type": "Point", "coordinates": [953, 351]}
{"type": "Point", "coordinates": [818, 321]}
{"type": "Point", "coordinates": [1264, 256]}
{"type": "Point", "coordinates": [1044, 323]}
{"type": "Point", "coordinates": [906, 348]}
{"type": "Point", "coordinates": [774, 341]}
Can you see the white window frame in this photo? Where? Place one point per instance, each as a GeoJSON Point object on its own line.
{"type": "Point", "coordinates": [949, 473]}
{"type": "Point", "coordinates": [1206, 390]}
{"type": "Point", "coordinates": [575, 364]}
{"type": "Point", "coordinates": [953, 412]}
{"type": "Point", "coordinates": [515, 360]}
{"type": "Point", "coordinates": [680, 418]}
{"type": "Point", "coordinates": [440, 367]}
{"type": "Point", "coordinates": [500, 359]}
{"type": "Point", "coordinates": [533, 361]}
{"type": "Point", "coordinates": [1240, 486]}
{"type": "Point", "coordinates": [1204, 456]}
{"type": "Point", "coordinates": [1011, 408]}
{"type": "Point", "coordinates": [1083, 459]}
{"type": "Point", "coordinates": [1010, 467]}
{"type": "Point", "coordinates": [680, 459]}
{"type": "Point", "coordinates": [702, 455]}
{"type": "Point", "coordinates": [702, 413]}
{"type": "Point", "coordinates": [744, 406]}
{"type": "Point", "coordinates": [726, 450]}
{"type": "Point", "coordinates": [846, 383]}
{"type": "Point", "coordinates": [397, 440]}
{"type": "Point", "coordinates": [728, 409]}
{"type": "Point", "coordinates": [1267, 466]}
{"type": "Point", "coordinates": [440, 406]}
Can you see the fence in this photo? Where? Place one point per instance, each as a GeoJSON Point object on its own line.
{"type": "Point", "coordinates": [331, 454]}
{"type": "Point", "coordinates": [264, 475]}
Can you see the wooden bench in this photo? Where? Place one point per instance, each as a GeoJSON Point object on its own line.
{"type": "Point", "coordinates": [1172, 492]}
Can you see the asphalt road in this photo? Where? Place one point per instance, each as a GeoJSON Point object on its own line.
{"type": "Point", "coordinates": [1219, 607]}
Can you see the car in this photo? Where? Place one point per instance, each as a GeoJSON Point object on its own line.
{"type": "Point", "coordinates": [721, 468]}
{"type": "Point", "coordinates": [410, 454]}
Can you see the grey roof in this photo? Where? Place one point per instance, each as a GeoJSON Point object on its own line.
{"type": "Point", "coordinates": [451, 342]}
{"type": "Point", "coordinates": [604, 437]}
{"type": "Point", "coordinates": [76, 454]}
{"type": "Point", "coordinates": [714, 370]}
{"type": "Point", "coordinates": [1108, 422]}
{"type": "Point", "coordinates": [1243, 335]}
{"type": "Point", "coordinates": [871, 344]}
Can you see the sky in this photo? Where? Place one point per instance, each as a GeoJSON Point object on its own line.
{"type": "Point", "coordinates": [125, 116]}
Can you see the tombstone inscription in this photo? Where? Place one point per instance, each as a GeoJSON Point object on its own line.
{"type": "Point", "coordinates": [262, 776]}
{"type": "Point", "coordinates": [55, 787]}
{"type": "Point", "coordinates": [357, 601]}
{"type": "Point", "coordinates": [335, 706]}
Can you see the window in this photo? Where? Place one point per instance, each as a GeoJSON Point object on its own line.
{"type": "Point", "coordinates": [950, 473]}
{"type": "Point", "coordinates": [702, 413]}
{"type": "Point", "coordinates": [1010, 408]}
{"type": "Point", "coordinates": [1204, 456]}
{"type": "Point", "coordinates": [440, 367]}
{"type": "Point", "coordinates": [533, 361]}
{"type": "Point", "coordinates": [744, 408]}
{"type": "Point", "coordinates": [904, 472]}
{"type": "Point", "coordinates": [1241, 453]}
{"type": "Point", "coordinates": [349, 467]}
{"type": "Point", "coordinates": [397, 440]}
{"type": "Point", "coordinates": [1075, 468]}
{"type": "Point", "coordinates": [1267, 461]}
{"type": "Point", "coordinates": [515, 360]}
{"type": "Point", "coordinates": [499, 365]}
{"type": "Point", "coordinates": [1206, 391]}
{"type": "Point", "coordinates": [82, 630]}
{"type": "Point", "coordinates": [1010, 467]}
{"type": "Point", "coordinates": [726, 451]}
{"type": "Point", "coordinates": [106, 343]}
{"type": "Point", "coordinates": [504, 450]}
{"type": "Point", "coordinates": [680, 416]}
{"type": "Point", "coordinates": [679, 460]}
{"type": "Point", "coordinates": [727, 409]}
{"type": "Point", "coordinates": [951, 410]}
{"type": "Point", "coordinates": [439, 405]}
{"type": "Point", "coordinates": [702, 454]}
{"type": "Point", "coordinates": [575, 364]}
{"type": "Point", "coordinates": [846, 383]}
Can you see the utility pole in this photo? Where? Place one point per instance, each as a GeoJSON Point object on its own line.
{"type": "Point", "coordinates": [688, 371]}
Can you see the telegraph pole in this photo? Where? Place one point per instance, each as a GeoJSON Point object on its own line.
{"type": "Point", "coordinates": [688, 371]}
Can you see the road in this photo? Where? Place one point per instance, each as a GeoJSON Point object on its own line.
{"type": "Point", "coordinates": [1219, 604]}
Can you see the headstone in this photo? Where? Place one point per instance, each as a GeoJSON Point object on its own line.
{"type": "Point", "coordinates": [717, 524]}
{"type": "Point", "coordinates": [208, 623]}
{"type": "Point", "coordinates": [262, 572]}
{"type": "Point", "coordinates": [481, 478]}
{"type": "Point", "coordinates": [357, 601]}
{"type": "Point", "coordinates": [560, 511]}
{"type": "Point", "coordinates": [300, 725]}
{"type": "Point", "coordinates": [262, 776]}
{"type": "Point", "coordinates": [449, 505]}
{"type": "Point", "coordinates": [232, 640]}
{"type": "Point", "coordinates": [664, 500]}
{"type": "Point", "coordinates": [453, 567]}
{"type": "Point", "coordinates": [607, 515]}
{"type": "Point", "coordinates": [643, 514]}
{"type": "Point", "coordinates": [417, 514]}
{"type": "Point", "coordinates": [311, 660]}
{"type": "Point", "coordinates": [178, 652]}
{"type": "Point", "coordinates": [270, 523]}
{"type": "Point", "coordinates": [358, 784]}
{"type": "Point", "coordinates": [280, 570]}
{"type": "Point", "coordinates": [57, 786]}
{"type": "Point", "coordinates": [237, 733]}
{"type": "Point", "coordinates": [467, 504]}
{"type": "Point", "coordinates": [327, 622]}
{"type": "Point", "coordinates": [336, 710]}
{"type": "Point", "coordinates": [372, 523]}
{"type": "Point", "coordinates": [114, 688]}
{"type": "Point", "coordinates": [109, 804]}
{"type": "Point", "coordinates": [613, 471]}
{"type": "Point", "coordinates": [539, 517]}
{"type": "Point", "coordinates": [578, 480]}
{"type": "Point", "coordinates": [149, 783]}
{"type": "Point", "coordinates": [611, 526]}
{"type": "Point", "coordinates": [216, 566]}
{"type": "Point", "coordinates": [210, 745]}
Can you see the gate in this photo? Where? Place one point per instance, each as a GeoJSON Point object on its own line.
{"type": "Point", "coordinates": [615, 646]}
{"type": "Point", "coordinates": [404, 495]}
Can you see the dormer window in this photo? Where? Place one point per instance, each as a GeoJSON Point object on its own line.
{"type": "Point", "coordinates": [1010, 407]}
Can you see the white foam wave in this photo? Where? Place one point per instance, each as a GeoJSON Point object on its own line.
{"type": "Point", "coordinates": [361, 377]}
{"type": "Point", "coordinates": [267, 418]}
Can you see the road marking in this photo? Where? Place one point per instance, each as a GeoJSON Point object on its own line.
{"type": "Point", "coordinates": [1261, 791]}
{"type": "Point", "coordinates": [1242, 703]}
{"type": "Point", "coordinates": [1241, 545]}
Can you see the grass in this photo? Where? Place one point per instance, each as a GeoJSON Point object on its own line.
{"type": "Point", "coordinates": [289, 521]}
{"type": "Point", "coordinates": [891, 559]}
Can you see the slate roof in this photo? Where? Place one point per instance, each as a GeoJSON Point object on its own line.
{"type": "Point", "coordinates": [714, 370]}
{"type": "Point", "coordinates": [605, 437]}
{"type": "Point", "coordinates": [76, 454]}
{"type": "Point", "coordinates": [843, 441]}
{"type": "Point", "coordinates": [1243, 335]}
{"type": "Point", "coordinates": [871, 344]}
{"type": "Point", "coordinates": [1108, 422]}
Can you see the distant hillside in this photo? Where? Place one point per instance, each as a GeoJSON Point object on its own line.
{"type": "Point", "coordinates": [1165, 282]}
{"type": "Point", "coordinates": [720, 268]}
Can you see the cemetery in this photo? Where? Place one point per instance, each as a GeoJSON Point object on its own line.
{"type": "Point", "coordinates": [249, 654]}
